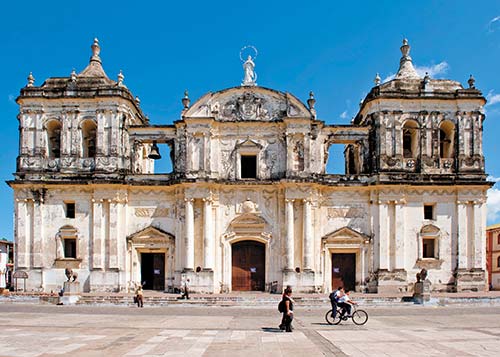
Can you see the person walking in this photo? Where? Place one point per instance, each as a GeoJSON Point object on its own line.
{"type": "Point", "coordinates": [186, 289]}
{"type": "Point", "coordinates": [286, 321]}
{"type": "Point", "coordinates": [139, 296]}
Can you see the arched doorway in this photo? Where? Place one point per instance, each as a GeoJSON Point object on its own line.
{"type": "Point", "coordinates": [248, 266]}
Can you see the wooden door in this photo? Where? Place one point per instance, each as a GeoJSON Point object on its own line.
{"type": "Point", "coordinates": [344, 270]}
{"type": "Point", "coordinates": [153, 271]}
{"type": "Point", "coordinates": [248, 266]}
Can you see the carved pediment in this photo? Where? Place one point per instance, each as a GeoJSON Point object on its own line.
{"type": "Point", "coordinates": [346, 235]}
{"type": "Point", "coordinates": [248, 223]}
{"type": "Point", "coordinates": [150, 235]}
{"type": "Point", "coordinates": [430, 230]}
{"type": "Point", "coordinates": [248, 104]}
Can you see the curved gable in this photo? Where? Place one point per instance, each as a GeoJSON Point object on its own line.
{"type": "Point", "coordinates": [248, 104]}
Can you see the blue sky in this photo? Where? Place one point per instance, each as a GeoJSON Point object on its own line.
{"type": "Point", "coordinates": [332, 48]}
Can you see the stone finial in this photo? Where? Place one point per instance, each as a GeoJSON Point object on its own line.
{"type": "Point", "coordinates": [377, 80]}
{"type": "Point", "coordinates": [311, 101]}
{"type": "Point", "coordinates": [73, 75]}
{"type": "Point", "coordinates": [31, 80]}
{"type": "Point", "coordinates": [120, 78]}
{"type": "Point", "coordinates": [137, 101]}
{"type": "Point", "coordinates": [471, 82]}
{"type": "Point", "coordinates": [361, 102]}
{"type": "Point", "coordinates": [96, 50]}
{"type": "Point", "coordinates": [406, 69]}
{"type": "Point", "coordinates": [186, 101]}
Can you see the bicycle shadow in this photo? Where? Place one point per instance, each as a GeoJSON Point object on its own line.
{"type": "Point", "coordinates": [320, 323]}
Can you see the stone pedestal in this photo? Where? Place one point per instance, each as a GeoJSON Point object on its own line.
{"type": "Point", "coordinates": [422, 292]}
{"type": "Point", "coordinates": [71, 293]}
{"type": "Point", "coordinates": [71, 288]}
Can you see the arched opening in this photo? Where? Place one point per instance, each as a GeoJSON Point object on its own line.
{"type": "Point", "coordinates": [53, 139]}
{"type": "Point", "coordinates": [336, 159]}
{"type": "Point", "coordinates": [410, 139]}
{"type": "Point", "coordinates": [248, 266]}
{"type": "Point", "coordinates": [89, 129]}
{"type": "Point", "coordinates": [446, 134]}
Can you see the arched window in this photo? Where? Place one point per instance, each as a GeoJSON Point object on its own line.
{"type": "Point", "coordinates": [53, 128]}
{"type": "Point", "coordinates": [410, 139]}
{"type": "Point", "coordinates": [67, 243]}
{"type": "Point", "coordinates": [89, 129]}
{"type": "Point", "coordinates": [429, 242]}
{"type": "Point", "coordinates": [446, 134]}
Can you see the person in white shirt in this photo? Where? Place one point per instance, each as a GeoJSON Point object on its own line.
{"type": "Point", "coordinates": [345, 303]}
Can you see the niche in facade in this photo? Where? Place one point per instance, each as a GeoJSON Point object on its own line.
{"type": "Point", "coordinates": [53, 128]}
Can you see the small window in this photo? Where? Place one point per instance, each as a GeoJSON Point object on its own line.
{"type": "Point", "coordinates": [70, 248]}
{"type": "Point", "coordinates": [498, 262]}
{"type": "Point", "coordinates": [498, 239]}
{"type": "Point", "coordinates": [248, 166]}
{"type": "Point", "coordinates": [428, 211]}
{"type": "Point", "coordinates": [428, 250]}
{"type": "Point", "coordinates": [70, 210]}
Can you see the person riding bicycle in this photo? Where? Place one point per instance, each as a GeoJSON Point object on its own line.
{"type": "Point", "coordinates": [334, 299]}
{"type": "Point", "coordinates": [345, 303]}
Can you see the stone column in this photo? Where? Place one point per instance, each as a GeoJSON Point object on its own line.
{"type": "Point", "coordinates": [479, 236]}
{"type": "Point", "coordinates": [113, 235]}
{"type": "Point", "coordinates": [97, 235]}
{"type": "Point", "coordinates": [462, 234]}
{"type": "Point", "coordinates": [383, 236]}
{"type": "Point", "coordinates": [38, 235]}
{"type": "Point", "coordinates": [289, 243]}
{"type": "Point", "coordinates": [189, 265]}
{"type": "Point", "coordinates": [400, 235]}
{"type": "Point", "coordinates": [308, 236]}
{"type": "Point", "coordinates": [22, 225]}
{"type": "Point", "coordinates": [208, 238]}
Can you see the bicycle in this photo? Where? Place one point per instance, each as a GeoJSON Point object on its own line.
{"type": "Point", "coordinates": [358, 316]}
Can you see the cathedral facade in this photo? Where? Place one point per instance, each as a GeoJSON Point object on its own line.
{"type": "Point", "coordinates": [248, 205]}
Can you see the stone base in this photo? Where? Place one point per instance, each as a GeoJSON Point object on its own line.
{"type": "Point", "coordinates": [303, 282]}
{"type": "Point", "coordinates": [68, 300]}
{"type": "Point", "coordinates": [201, 282]}
{"type": "Point", "coordinates": [471, 280]}
{"type": "Point", "coordinates": [422, 292]}
{"type": "Point", "coordinates": [390, 282]}
{"type": "Point", "coordinates": [71, 288]}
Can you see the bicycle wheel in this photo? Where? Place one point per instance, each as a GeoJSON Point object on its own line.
{"type": "Point", "coordinates": [329, 318]}
{"type": "Point", "coordinates": [359, 317]}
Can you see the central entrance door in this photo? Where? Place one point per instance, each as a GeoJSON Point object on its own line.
{"type": "Point", "coordinates": [344, 270]}
{"type": "Point", "coordinates": [153, 271]}
{"type": "Point", "coordinates": [249, 266]}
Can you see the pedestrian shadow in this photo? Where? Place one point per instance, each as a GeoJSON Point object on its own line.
{"type": "Point", "coordinates": [271, 329]}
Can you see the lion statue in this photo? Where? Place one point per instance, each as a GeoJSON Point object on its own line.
{"type": "Point", "coordinates": [70, 274]}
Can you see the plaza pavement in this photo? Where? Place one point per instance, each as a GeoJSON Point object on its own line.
{"type": "Point", "coordinates": [184, 330]}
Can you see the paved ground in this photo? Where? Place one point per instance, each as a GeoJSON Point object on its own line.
{"type": "Point", "coordinates": [46, 330]}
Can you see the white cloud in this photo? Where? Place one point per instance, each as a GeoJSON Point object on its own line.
{"type": "Point", "coordinates": [493, 204]}
{"type": "Point", "coordinates": [390, 77]}
{"type": "Point", "coordinates": [493, 179]}
{"type": "Point", "coordinates": [12, 98]}
{"type": "Point", "coordinates": [343, 115]}
{"type": "Point", "coordinates": [433, 71]}
{"type": "Point", "coordinates": [494, 24]}
{"type": "Point", "coordinates": [492, 98]}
